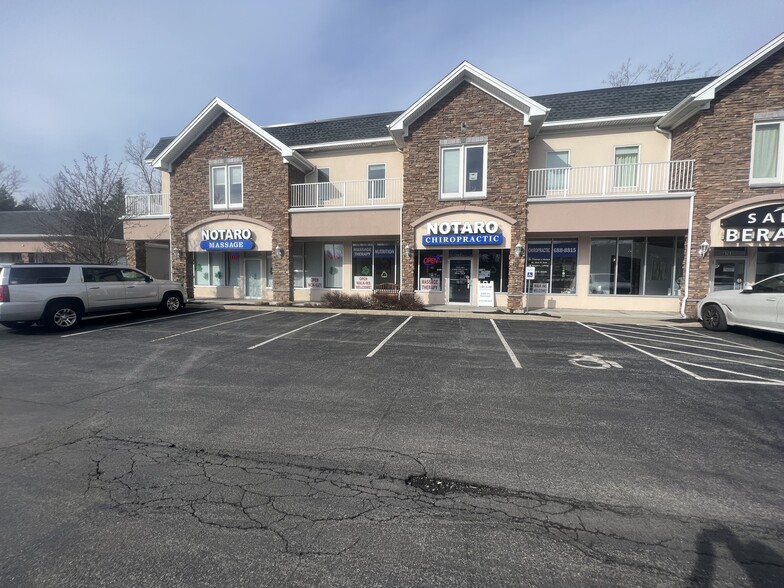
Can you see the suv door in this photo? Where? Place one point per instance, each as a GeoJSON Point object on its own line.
{"type": "Point", "coordinates": [105, 288]}
{"type": "Point", "coordinates": [138, 290]}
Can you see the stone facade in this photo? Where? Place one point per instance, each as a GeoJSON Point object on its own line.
{"type": "Point", "coordinates": [265, 194]}
{"type": "Point", "coordinates": [719, 140]}
{"type": "Point", "coordinates": [468, 112]}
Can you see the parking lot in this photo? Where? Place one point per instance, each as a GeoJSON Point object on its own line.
{"type": "Point", "coordinates": [270, 447]}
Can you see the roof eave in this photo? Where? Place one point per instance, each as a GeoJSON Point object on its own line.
{"type": "Point", "coordinates": [702, 99]}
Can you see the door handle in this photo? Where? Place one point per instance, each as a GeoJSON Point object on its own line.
{"type": "Point", "coordinates": [770, 299]}
{"type": "Point", "coordinates": [95, 287]}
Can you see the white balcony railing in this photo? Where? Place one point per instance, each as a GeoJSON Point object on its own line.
{"type": "Point", "coordinates": [611, 180]}
{"type": "Point", "coordinates": [147, 204]}
{"type": "Point", "coordinates": [355, 193]}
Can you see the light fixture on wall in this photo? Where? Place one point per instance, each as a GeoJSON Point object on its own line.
{"type": "Point", "coordinates": [407, 250]}
{"type": "Point", "coordinates": [278, 251]}
{"type": "Point", "coordinates": [704, 248]}
{"type": "Point", "coordinates": [177, 253]}
{"type": "Point", "coordinates": [518, 250]}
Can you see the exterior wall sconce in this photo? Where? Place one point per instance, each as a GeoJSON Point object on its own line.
{"type": "Point", "coordinates": [278, 251]}
{"type": "Point", "coordinates": [177, 253]}
{"type": "Point", "coordinates": [518, 250]}
{"type": "Point", "coordinates": [407, 250]}
{"type": "Point", "coordinates": [704, 248]}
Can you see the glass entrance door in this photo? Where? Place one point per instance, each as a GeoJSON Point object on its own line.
{"type": "Point", "coordinates": [460, 281]}
{"type": "Point", "coordinates": [253, 278]}
{"type": "Point", "coordinates": [728, 274]}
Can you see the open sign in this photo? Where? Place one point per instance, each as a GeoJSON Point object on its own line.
{"type": "Point", "coordinates": [431, 260]}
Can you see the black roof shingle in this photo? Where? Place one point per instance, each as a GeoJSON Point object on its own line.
{"type": "Point", "coordinates": [585, 104]}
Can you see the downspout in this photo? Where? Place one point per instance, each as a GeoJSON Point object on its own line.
{"type": "Point", "coordinates": [685, 292]}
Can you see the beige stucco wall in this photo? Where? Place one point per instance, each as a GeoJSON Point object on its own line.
{"type": "Point", "coordinates": [553, 216]}
{"type": "Point", "coordinates": [597, 147]}
{"type": "Point", "coordinates": [462, 216]}
{"type": "Point", "coordinates": [345, 165]}
{"type": "Point", "coordinates": [345, 223]}
{"type": "Point", "coordinates": [146, 229]}
{"type": "Point", "coordinates": [24, 246]}
{"type": "Point", "coordinates": [262, 236]}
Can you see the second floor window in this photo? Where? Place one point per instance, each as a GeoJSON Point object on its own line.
{"type": "Point", "coordinates": [767, 162]}
{"type": "Point", "coordinates": [627, 161]}
{"type": "Point", "coordinates": [463, 171]}
{"type": "Point", "coordinates": [226, 186]}
{"type": "Point", "coordinates": [557, 170]}
{"type": "Point", "coordinates": [377, 173]}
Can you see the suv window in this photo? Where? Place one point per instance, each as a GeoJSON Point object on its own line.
{"type": "Point", "coordinates": [774, 285]}
{"type": "Point", "coordinates": [39, 275]}
{"type": "Point", "coordinates": [129, 275]}
{"type": "Point", "coordinates": [101, 274]}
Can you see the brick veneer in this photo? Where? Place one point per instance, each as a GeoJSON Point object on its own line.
{"type": "Point", "coordinates": [719, 140]}
{"type": "Point", "coordinates": [468, 112]}
{"type": "Point", "coordinates": [266, 181]}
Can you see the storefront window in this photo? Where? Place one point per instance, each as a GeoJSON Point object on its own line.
{"type": "Point", "coordinates": [333, 265]}
{"type": "Point", "coordinates": [636, 266]}
{"type": "Point", "coordinates": [384, 267]}
{"type": "Point", "coordinates": [215, 268]}
{"type": "Point", "coordinates": [770, 261]}
{"type": "Point", "coordinates": [308, 260]}
{"type": "Point", "coordinates": [494, 267]}
{"type": "Point", "coordinates": [362, 266]}
{"type": "Point", "coordinates": [430, 265]}
{"type": "Point", "coordinates": [555, 263]}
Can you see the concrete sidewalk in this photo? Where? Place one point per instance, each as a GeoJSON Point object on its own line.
{"type": "Point", "coordinates": [459, 311]}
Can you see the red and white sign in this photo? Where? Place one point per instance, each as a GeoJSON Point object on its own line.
{"type": "Point", "coordinates": [429, 284]}
{"type": "Point", "coordinates": [363, 283]}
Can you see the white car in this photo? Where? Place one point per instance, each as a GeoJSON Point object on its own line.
{"type": "Point", "coordinates": [757, 306]}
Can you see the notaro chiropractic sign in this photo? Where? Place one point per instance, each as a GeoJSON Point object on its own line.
{"type": "Point", "coordinates": [226, 239]}
{"type": "Point", "coordinates": [763, 224]}
{"type": "Point", "coordinates": [463, 233]}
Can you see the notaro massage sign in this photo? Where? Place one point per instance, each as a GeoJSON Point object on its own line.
{"type": "Point", "coordinates": [763, 224]}
{"type": "Point", "coordinates": [463, 233]}
{"type": "Point", "coordinates": [226, 240]}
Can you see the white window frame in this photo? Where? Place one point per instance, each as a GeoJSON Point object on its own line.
{"type": "Point", "coordinates": [763, 120]}
{"type": "Point", "coordinates": [565, 180]}
{"type": "Point", "coordinates": [227, 204]}
{"type": "Point", "coordinates": [461, 194]}
{"type": "Point", "coordinates": [636, 183]}
{"type": "Point", "coordinates": [374, 193]}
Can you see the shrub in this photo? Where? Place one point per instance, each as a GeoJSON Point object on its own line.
{"type": "Point", "coordinates": [406, 301]}
{"type": "Point", "coordinates": [341, 300]}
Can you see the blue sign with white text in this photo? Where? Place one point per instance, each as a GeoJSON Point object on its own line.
{"type": "Point", "coordinates": [227, 245]}
{"type": "Point", "coordinates": [464, 239]}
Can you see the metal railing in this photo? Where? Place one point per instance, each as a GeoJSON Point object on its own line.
{"type": "Point", "coordinates": [147, 204]}
{"type": "Point", "coordinates": [347, 194]}
{"type": "Point", "coordinates": [612, 180]}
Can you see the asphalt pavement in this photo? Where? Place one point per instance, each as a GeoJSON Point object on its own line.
{"type": "Point", "coordinates": [273, 448]}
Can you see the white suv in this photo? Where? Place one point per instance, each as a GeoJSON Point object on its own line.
{"type": "Point", "coordinates": [58, 295]}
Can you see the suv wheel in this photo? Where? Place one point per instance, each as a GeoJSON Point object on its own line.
{"type": "Point", "coordinates": [61, 316]}
{"type": "Point", "coordinates": [713, 318]}
{"type": "Point", "coordinates": [172, 302]}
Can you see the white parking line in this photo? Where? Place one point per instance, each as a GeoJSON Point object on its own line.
{"type": "Point", "coordinates": [392, 334]}
{"type": "Point", "coordinates": [294, 331]}
{"type": "Point", "coordinates": [674, 363]}
{"type": "Point", "coordinates": [506, 346]}
{"type": "Point", "coordinates": [211, 326]}
{"type": "Point", "coordinates": [166, 318]}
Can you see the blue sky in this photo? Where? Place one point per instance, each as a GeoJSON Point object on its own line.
{"type": "Point", "coordinates": [83, 76]}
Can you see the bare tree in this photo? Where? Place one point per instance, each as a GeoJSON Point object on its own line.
{"type": "Point", "coordinates": [88, 204]}
{"type": "Point", "coordinates": [144, 178]}
{"type": "Point", "coordinates": [10, 179]}
{"type": "Point", "coordinates": [666, 70]}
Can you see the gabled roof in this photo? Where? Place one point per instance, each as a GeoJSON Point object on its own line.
{"type": "Point", "coordinates": [533, 112]}
{"type": "Point", "coordinates": [702, 97]}
{"type": "Point", "coordinates": [201, 123]}
{"type": "Point", "coordinates": [365, 127]}
{"type": "Point", "coordinates": [162, 144]}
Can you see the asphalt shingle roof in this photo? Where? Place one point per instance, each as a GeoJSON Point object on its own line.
{"type": "Point", "coordinates": [603, 102]}
{"type": "Point", "coordinates": [24, 222]}
{"type": "Point", "coordinates": [625, 100]}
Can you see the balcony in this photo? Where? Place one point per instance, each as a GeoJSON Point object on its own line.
{"type": "Point", "coordinates": [142, 205]}
{"type": "Point", "coordinates": [663, 177]}
{"type": "Point", "coordinates": [348, 194]}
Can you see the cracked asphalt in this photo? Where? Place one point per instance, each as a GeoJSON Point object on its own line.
{"type": "Point", "coordinates": [178, 452]}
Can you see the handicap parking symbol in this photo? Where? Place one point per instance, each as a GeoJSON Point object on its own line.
{"type": "Point", "coordinates": [594, 362]}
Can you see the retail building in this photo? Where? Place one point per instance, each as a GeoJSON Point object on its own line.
{"type": "Point", "coordinates": [641, 197]}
